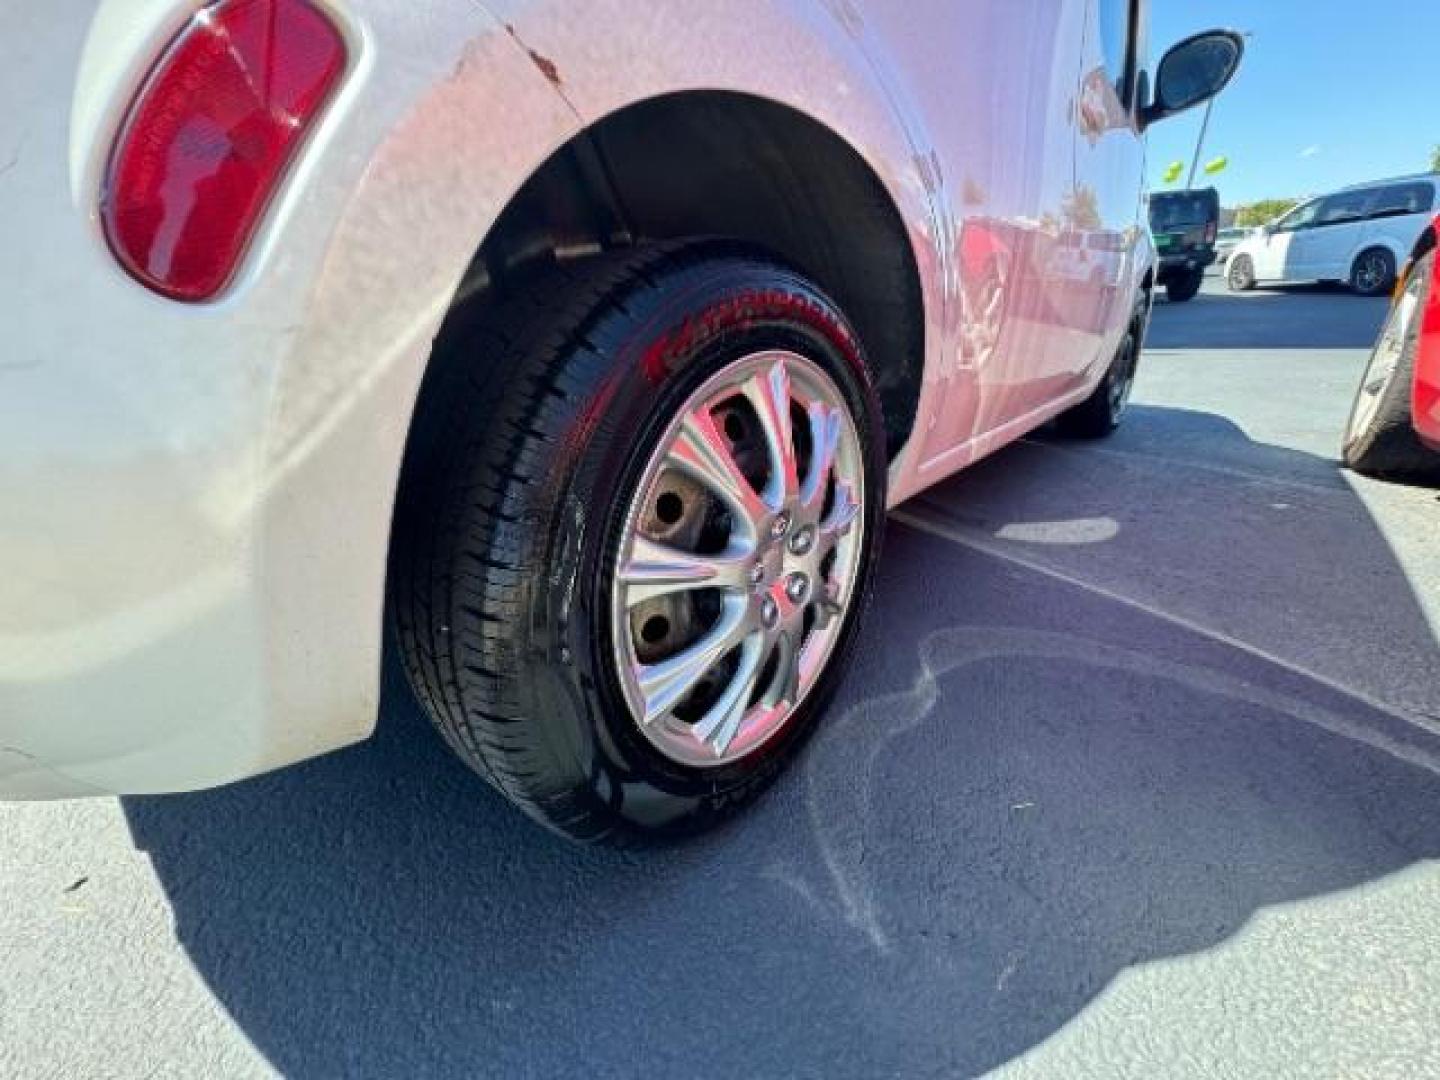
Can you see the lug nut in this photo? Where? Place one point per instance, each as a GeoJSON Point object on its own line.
{"type": "Point", "coordinates": [769, 611]}
{"type": "Point", "coordinates": [797, 588]}
{"type": "Point", "coordinates": [757, 574]}
{"type": "Point", "coordinates": [781, 525]}
{"type": "Point", "coordinates": [802, 541]}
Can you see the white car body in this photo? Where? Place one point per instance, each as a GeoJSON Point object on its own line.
{"type": "Point", "coordinates": [197, 498]}
{"type": "Point", "coordinates": [1322, 238]}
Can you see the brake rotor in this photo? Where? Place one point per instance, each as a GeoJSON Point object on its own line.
{"type": "Point", "coordinates": [676, 516]}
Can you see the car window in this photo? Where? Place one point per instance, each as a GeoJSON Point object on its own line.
{"type": "Point", "coordinates": [1344, 207]}
{"type": "Point", "coordinates": [1180, 209]}
{"type": "Point", "coordinates": [1115, 44]}
{"type": "Point", "coordinates": [1299, 218]}
{"type": "Point", "coordinates": [1401, 199]}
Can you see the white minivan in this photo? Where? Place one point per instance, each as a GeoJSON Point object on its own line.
{"type": "Point", "coordinates": [1359, 235]}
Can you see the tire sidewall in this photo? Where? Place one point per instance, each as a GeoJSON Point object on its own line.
{"type": "Point", "coordinates": [1395, 395]}
{"type": "Point", "coordinates": [1114, 412]}
{"type": "Point", "coordinates": [673, 342]}
{"type": "Point", "coordinates": [1133, 341]}
{"type": "Point", "coordinates": [1185, 288]}
{"type": "Point", "coordinates": [1240, 273]}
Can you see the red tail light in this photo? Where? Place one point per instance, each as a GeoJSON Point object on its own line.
{"type": "Point", "coordinates": [1211, 231]}
{"type": "Point", "coordinates": [209, 136]}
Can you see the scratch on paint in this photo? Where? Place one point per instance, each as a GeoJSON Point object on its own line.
{"type": "Point", "coordinates": [544, 63]}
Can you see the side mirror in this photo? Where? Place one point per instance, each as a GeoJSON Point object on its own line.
{"type": "Point", "coordinates": [1193, 72]}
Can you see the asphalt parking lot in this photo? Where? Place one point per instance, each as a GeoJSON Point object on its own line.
{"type": "Point", "coordinates": [1138, 774]}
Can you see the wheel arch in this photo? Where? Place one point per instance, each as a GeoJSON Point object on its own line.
{"type": "Point", "coordinates": [607, 187]}
{"type": "Point", "coordinates": [724, 164]}
{"type": "Point", "coordinates": [1378, 243]}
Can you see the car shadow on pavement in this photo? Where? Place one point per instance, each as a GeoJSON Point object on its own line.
{"type": "Point", "coordinates": [1036, 777]}
{"type": "Point", "coordinates": [1269, 317]}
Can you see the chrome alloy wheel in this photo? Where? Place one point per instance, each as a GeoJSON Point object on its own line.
{"type": "Point", "coordinates": [739, 558]}
{"type": "Point", "coordinates": [1384, 360]}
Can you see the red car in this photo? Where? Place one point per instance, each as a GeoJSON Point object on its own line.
{"type": "Point", "coordinates": [1394, 428]}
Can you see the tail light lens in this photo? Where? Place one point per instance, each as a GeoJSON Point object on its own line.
{"type": "Point", "coordinates": [208, 138]}
{"type": "Point", "coordinates": [1211, 231]}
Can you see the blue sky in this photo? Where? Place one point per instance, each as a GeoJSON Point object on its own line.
{"type": "Point", "coordinates": [1333, 92]}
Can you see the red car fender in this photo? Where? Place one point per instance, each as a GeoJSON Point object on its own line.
{"type": "Point", "coordinates": [1425, 404]}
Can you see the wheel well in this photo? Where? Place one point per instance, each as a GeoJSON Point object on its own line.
{"type": "Point", "coordinates": [1366, 250]}
{"type": "Point", "coordinates": [721, 164]}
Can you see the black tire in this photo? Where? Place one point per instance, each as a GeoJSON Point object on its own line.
{"type": "Point", "coordinates": [1240, 273]}
{"type": "Point", "coordinates": [534, 422]}
{"type": "Point", "coordinates": [1385, 445]}
{"type": "Point", "coordinates": [1180, 289]}
{"type": "Point", "coordinates": [1100, 413]}
{"type": "Point", "coordinates": [1373, 273]}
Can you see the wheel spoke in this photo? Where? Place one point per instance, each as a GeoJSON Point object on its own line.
{"type": "Point", "coordinates": [841, 519]}
{"type": "Point", "coordinates": [825, 421]}
{"type": "Point", "coordinates": [701, 450]}
{"type": "Point", "coordinates": [656, 569]}
{"type": "Point", "coordinates": [769, 394]}
{"type": "Point", "coordinates": [827, 604]}
{"type": "Point", "coordinates": [721, 723]}
{"type": "Point", "coordinates": [665, 685]}
{"type": "Point", "coordinates": [785, 683]}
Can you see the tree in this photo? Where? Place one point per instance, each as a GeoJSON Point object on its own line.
{"type": "Point", "coordinates": [1081, 208]}
{"type": "Point", "coordinates": [1435, 158]}
{"type": "Point", "coordinates": [1258, 213]}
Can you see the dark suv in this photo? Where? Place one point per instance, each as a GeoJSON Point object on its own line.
{"type": "Point", "coordinates": [1185, 224]}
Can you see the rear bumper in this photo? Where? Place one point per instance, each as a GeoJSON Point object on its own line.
{"type": "Point", "coordinates": [171, 617]}
{"type": "Point", "coordinates": [154, 635]}
{"type": "Point", "coordinates": [1187, 263]}
{"type": "Point", "coordinates": [195, 501]}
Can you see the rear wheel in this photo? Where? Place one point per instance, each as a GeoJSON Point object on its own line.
{"type": "Point", "coordinates": [1101, 413]}
{"type": "Point", "coordinates": [1180, 289]}
{"type": "Point", "coordinates": [1373, 273]}
{"type": "Point", "coordinates": [1240, 273]}
{"type": "Point", "coordinates": [638, 523]}
{"type": "Point", "coordinates": [1380, 438]}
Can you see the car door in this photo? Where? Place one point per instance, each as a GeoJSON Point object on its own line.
{"type": "Point", "coordinates": [1272, 247]}
{"type": "Point", "coordinates": [1325, 249]}
{"type": "Point", "coordinates": [995, 86]}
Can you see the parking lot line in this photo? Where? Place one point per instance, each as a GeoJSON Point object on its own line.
{"type": "Point", "coordinates": [966, 536]}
